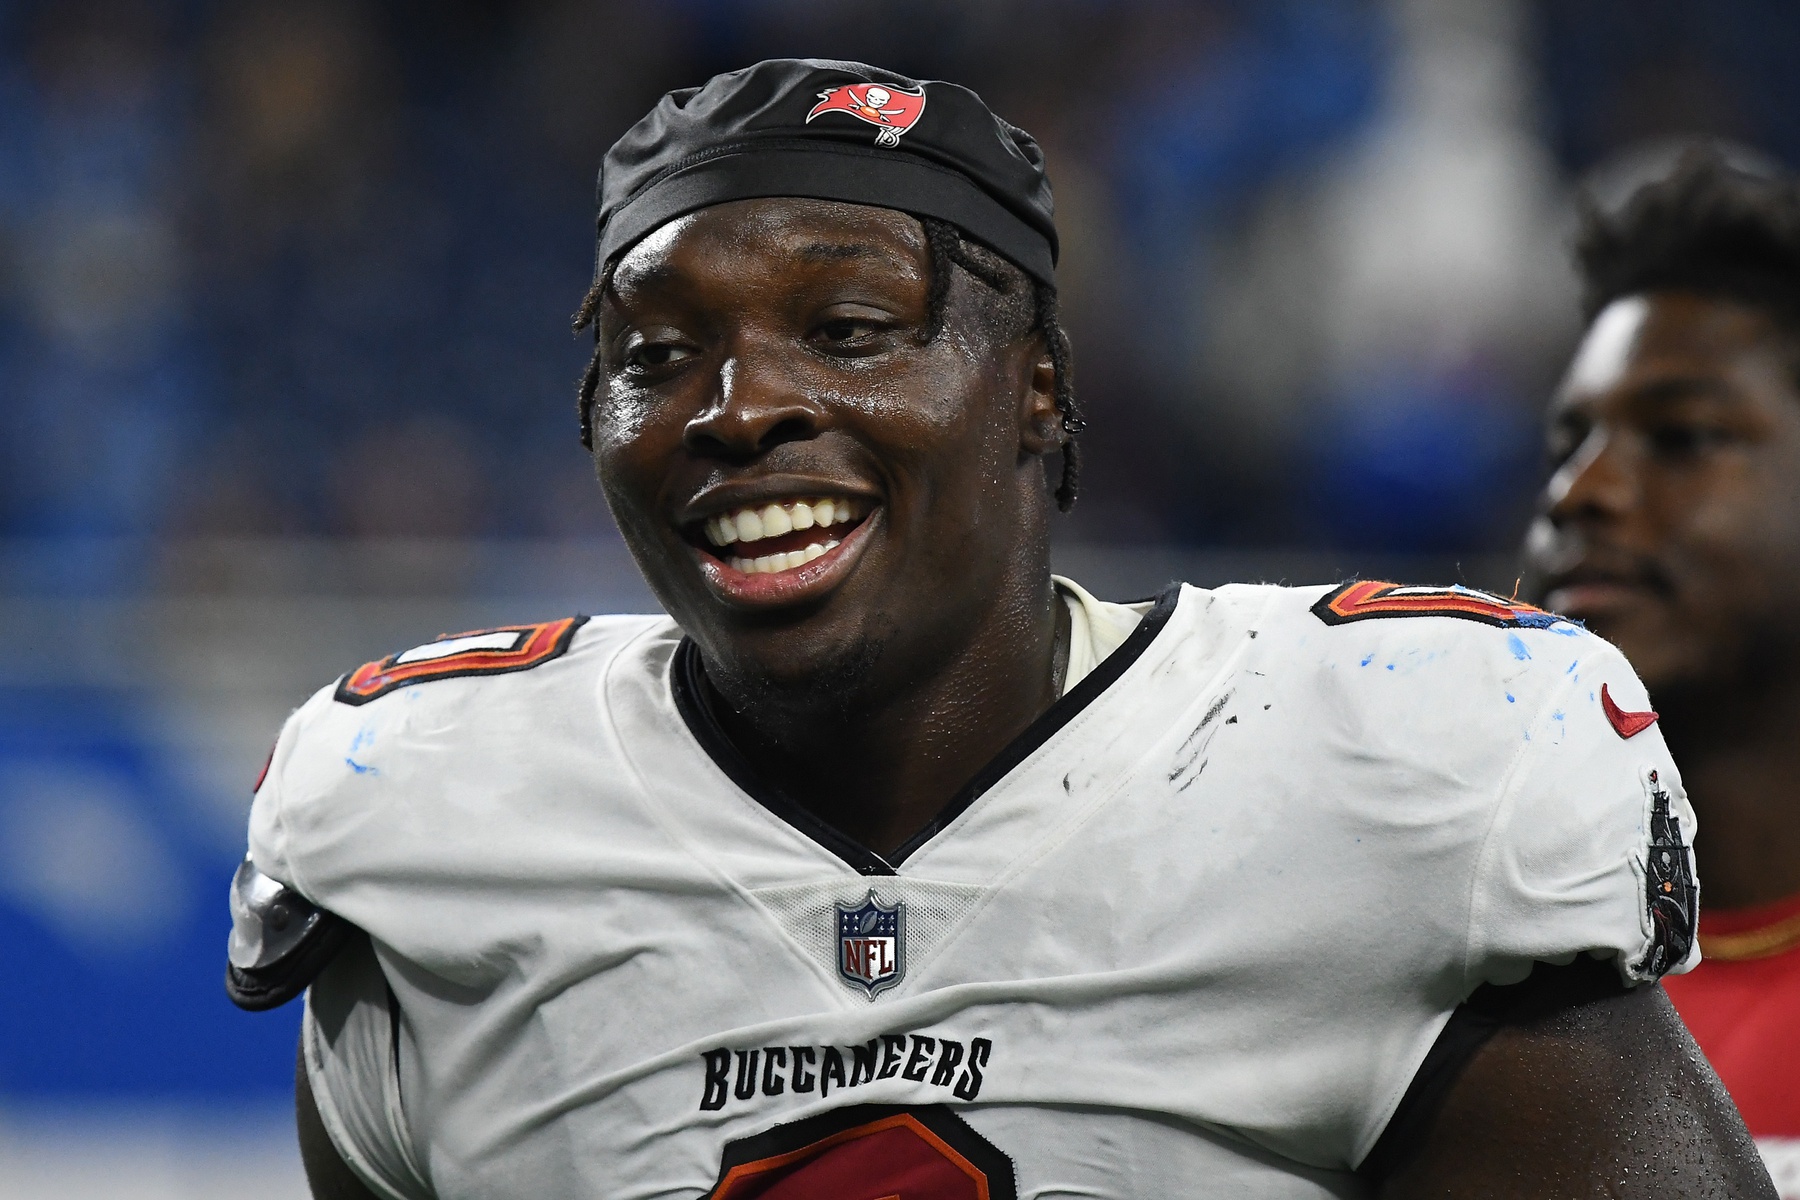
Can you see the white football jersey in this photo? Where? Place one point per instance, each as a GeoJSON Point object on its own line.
{"type": "Point", "coordinates": [1192, 934]}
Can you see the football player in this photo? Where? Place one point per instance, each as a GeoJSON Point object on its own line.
{"type": "Point", "coordinates": [890, 865]}
{"type": "Point", "coordinates": [1672, 527]}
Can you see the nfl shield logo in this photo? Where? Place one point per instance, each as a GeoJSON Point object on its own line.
{"type": "Point", "coordinates": [869, 944]}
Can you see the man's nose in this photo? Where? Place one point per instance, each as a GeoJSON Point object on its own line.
{"type": "Point", "coordinates": [756, 406]}
{"type": "Point", "coordinates": [1600, 481]}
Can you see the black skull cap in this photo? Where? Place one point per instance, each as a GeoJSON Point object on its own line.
{"type": "Point", "coordinates": [831, 130]}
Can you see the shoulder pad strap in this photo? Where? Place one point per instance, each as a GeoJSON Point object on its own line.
{"type": "Point", "coordinates": [280, 941]}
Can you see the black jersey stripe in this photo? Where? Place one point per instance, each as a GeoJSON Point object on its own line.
{"type": "Point", "coordinates": [687, 682]}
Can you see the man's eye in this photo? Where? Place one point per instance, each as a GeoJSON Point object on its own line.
{"type": "Point", "coordinates": [1687, 440]}
{"type": "Point", "coordinates": [848, 333]}
{"type": "Point", "coordinates": [649, 356]}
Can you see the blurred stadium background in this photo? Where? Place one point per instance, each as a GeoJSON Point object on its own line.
{"type": "Point", "coordinates": [286, 383]}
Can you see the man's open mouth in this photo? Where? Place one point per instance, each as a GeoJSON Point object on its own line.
{"type": "Point", "coordinates": [1595, 589]}
{"type": "Point", "coordinates": [769, 539]}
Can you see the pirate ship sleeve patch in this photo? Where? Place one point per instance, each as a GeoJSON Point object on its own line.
{"type": "Point", "coordinates": [496, 651]}
{"type": "Point", "coordinates": [1371, 599]}
{"type": "Point", "coordinates": [1671, 895]}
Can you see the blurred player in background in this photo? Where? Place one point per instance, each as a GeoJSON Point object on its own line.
{"type": "Point", "coordinates": [1672, 528]}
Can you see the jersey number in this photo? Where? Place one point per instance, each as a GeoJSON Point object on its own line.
{"type": "Point", "coordinates": [1367, 599]}
{"type": "Point", "coordinates": [479, 652]}
{"type": "Point", "coordinates": [867, 1152]}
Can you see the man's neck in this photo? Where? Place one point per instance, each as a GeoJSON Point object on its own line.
{"type": "Point", "coordinates": [1739, 755]}
{"type": "Point", "coordinates": [880, 772]}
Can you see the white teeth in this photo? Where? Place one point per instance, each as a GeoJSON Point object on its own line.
{"type": "Point", "coordinates": [774, 520]}
{"type": "Point", "coordinates": [774, 564]}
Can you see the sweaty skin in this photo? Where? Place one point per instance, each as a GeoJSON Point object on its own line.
{"type": "Point", "coordinates": [1607, 1099]}
{"type": "Point", "coordinates": [770, 349]}
{"type": "Point", "coordinates": [1672, 527]}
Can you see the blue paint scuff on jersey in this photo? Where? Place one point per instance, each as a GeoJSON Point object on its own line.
{"type": "Point", "coordinates": [1548, 620]}
{"type": "Point", "coordinates": [365, 737]}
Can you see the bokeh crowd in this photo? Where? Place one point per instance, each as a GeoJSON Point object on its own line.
{"type": "Point", "coordinates": [305, 268]}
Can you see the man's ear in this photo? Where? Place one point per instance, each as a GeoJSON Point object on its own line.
{"type": "Point", "coordinates": [1040, 423]}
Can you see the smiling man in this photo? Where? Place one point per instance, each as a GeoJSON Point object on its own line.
{"type": "Point", "coordinates": [890, 865]}
{"type": "Point", "coordinates": [1672, 527]}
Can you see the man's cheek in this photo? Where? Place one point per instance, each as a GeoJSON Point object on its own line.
{"type": "Point", "coordinates": [1721, 594]}
{"type": "Point", "coordinates": [630, 497]}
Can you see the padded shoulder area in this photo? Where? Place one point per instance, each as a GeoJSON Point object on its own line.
{"type": "Point", "coordinates": [1399, 629]}
{"type": "Point", "coordinates": [357, 788]}
{"type": "Point", "coordinates": [1448, 678]}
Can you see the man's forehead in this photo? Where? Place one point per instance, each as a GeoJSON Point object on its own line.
{"type": "Point", "coordinates": [787, 229]}
{"type": "Point", "coordinates": [1605, 352]}
{"type": "Point", "coordinates": [1649, 337]}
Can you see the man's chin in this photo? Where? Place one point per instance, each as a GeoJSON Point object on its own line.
{"type": "Point", "coordinates": [808, 672]}
{"type": "Point", "coordinates": [1659, 649]}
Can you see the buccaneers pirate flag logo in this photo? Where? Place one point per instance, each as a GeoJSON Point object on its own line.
{"type": "Point", "coordinates": [893, 110]}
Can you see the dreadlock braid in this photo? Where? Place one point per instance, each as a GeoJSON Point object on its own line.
{"type": "Point", "coordinates": [948, 250]}
{"type": "Point", "coordinates": [590, 380]}
{"type": "Point", "coordinates": [945, 246]}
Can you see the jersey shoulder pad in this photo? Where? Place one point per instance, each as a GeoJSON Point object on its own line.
{"type": "Point", "coordinates": [280, 941]}
{"type": "Point", "coordinates": [497, 651]}
{"type": "Point", "coordinates": [1373, 599]}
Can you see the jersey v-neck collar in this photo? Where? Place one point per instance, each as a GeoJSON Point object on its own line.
{"type": "Point", "coordinates": [691, 701]}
